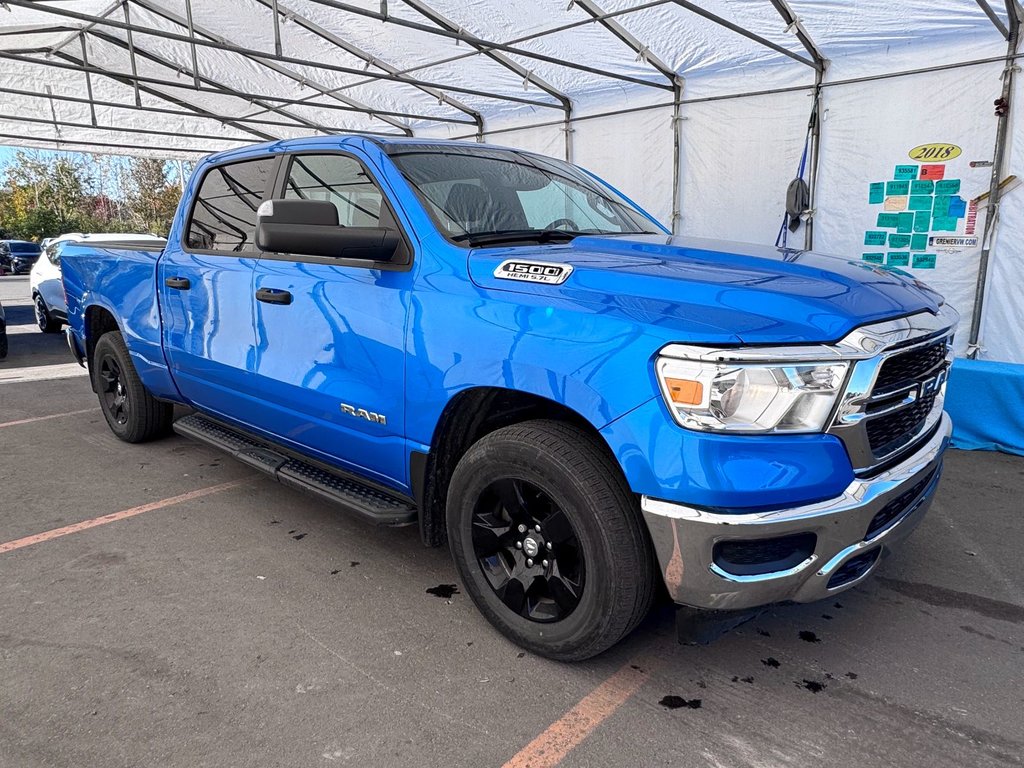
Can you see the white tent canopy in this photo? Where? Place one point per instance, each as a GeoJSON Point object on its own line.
{"type": "Point", "coordinates": [699, 110]}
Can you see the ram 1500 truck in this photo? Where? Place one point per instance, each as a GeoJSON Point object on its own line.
{"type": "Point", "coordinates": [504, 349]}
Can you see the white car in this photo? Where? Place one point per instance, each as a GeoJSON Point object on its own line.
{"type": "Point", "coordinates": [44, 279]}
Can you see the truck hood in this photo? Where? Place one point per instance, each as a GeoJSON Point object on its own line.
{"type": "Point", "coordinates": [709, 291]}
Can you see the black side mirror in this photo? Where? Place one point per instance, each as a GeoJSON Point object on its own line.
{"type": "Point", "coordinates": [310, 227]}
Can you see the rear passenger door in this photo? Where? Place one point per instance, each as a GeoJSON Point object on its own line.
{"type": "Point", "coordinates": [330, 365]}
{"type": "Point", "coordinates": [206, 290]}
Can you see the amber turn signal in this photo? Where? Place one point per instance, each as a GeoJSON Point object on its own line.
{"type": "Point", "coordinates": [685, 391]}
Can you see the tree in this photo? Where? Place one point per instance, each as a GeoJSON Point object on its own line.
{"type": "Point", "coordinates": [151, 196]}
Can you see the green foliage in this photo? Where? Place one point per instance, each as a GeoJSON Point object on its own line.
{"type": "Point", "coordinates": [44, 195]}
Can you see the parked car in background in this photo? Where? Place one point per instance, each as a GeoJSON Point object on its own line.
{"type": "Point", "coordinates": [18, 256]}
{"type": "Point", "coordinates": [44, 280]}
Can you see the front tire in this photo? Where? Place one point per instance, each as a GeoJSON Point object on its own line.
{"type": "Point", "coordinates": [548, 541]}
{"type": "Point", "coordinates": [43, 319]}
{"type": "Point", "coordinates": [133, 414]}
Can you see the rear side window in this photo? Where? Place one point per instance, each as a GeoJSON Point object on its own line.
{"type": "Point", "coordinates": [224, 213]}
{"type": "Point", "coordinates": [342, 181]}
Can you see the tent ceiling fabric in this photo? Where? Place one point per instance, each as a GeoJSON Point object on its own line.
{"type": "Point", "coordinates": [264, 69]}
{"type": "Point", "coordinates": [698, 108]}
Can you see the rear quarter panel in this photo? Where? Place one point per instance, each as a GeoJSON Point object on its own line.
{"type": "Point", "coordinates": [123, 282]}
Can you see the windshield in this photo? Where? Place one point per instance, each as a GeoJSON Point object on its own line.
{"type": "Point", "coordinates": [490, 196]}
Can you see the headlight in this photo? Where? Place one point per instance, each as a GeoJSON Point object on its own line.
{"type": "Point", "coordinates": [725, 396]}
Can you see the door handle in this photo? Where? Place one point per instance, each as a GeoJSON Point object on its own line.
{"type": "Point", "coordinates": [273, 296]}
{"type": "Point", "coordinates": [178, 283]}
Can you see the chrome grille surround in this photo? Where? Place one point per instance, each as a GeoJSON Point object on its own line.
{"type": "Point", "coordinates": [861, 403]}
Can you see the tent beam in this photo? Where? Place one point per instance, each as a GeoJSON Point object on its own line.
{"type": "Point", "coordinates": [248, 97]}
{"type": "Point", "coordinates": [217, 118]}
{"type": "Point", "coordinates": [58, 124]}
{"type": "Point", "coordinates": [225, 89]}
{"type": "Point", "coordinates": [88, 77]}
{"type": "Point", "coordinates": [77, 64]}
{"type": "Point", "coordinates": [665, 70]}
{"type": "Point", "coordinates": [281, 70]}
{"type": "Point", "coordinates": [994, 18]}
{"type": "Point", "coordinates": [508, 63]}
{"type": "Point", "coordinates": [333, 39]}
{"type": "Point", "coordinates": [131, 54]}
{"type": "Point", "coordinates": [18, 140]}
{"type": "Point", "coordinates": [794, 24]}
{"type": "Point", "coordinates": [693, 7]}
{"type": "Point", "coordinates": [273, 57]}
{"type": "Point", "coordinates": [999, 161]}
{"type": "Point", "coordinates": [462, 36]}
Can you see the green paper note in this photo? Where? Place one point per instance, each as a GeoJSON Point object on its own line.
{"type": "Point", "coordinates": [924, 261]}
{"type": "Point", "coordinates": [922, 187]}
{"type": "Point", "coordinates": [941, 207]}
{"type": "Point", "coordinates": [905, 223]}
{"type": "Point", "coordinates": [897, 188]}
{"type": "Point", "coordinates": [905, 172]}
{"type": "Point", "coordinates": [873, 258]}
{"type": "Point", "coordinates": [919, 243]}
{"type": "Point", "coordinates": [898, 259]}
{"type": "Point", "coordinates": [922, 221]}
{"type": "Point", "coordinates": [874, 238]}
{"type": "Point", "coordinates": [876, 193]}
{"type": "Point", "coordinates": [888, 220]}
{"type": "Point", "coordinates": [947, 187]}
{"type": "Point", "coordinates": [944, 223]}
{"type": "Point", "coordinates": [920, 203]}
{"type": "Point", "coordinates": [899, 241]}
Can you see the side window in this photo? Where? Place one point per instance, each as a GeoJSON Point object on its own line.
{"type": "Point", "coordinates": [224, 213]}
{"type": "Point", "coordinates": [342, 181]}
{"type": "Point", "coordinates": [53, 252]}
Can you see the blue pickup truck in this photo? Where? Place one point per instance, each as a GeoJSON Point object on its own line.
{"type": "Point", "coordinates": [503, 349]}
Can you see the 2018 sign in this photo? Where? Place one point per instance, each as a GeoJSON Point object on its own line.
{"type": "Point", "coordinates": [930, 153]}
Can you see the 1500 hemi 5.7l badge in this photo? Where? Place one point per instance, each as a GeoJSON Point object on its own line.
{"type": "Point", "coordinates": [533, 271]}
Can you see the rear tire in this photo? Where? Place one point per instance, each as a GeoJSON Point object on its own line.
{"type": "Point", "coordinates": [3, 340]}
{"type": "Point", "coordinates": [133, 414]}
{"type": "Point", "coordinates": [595, 582]}
{"type": "Point", "coordinates": [43, 319]}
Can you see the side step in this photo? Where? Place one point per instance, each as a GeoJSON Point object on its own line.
{"type": "Point", "coordinates": [373, 504]}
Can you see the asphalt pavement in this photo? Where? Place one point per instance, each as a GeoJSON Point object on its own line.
{"type": "Point", "coordinates": [218, 619]}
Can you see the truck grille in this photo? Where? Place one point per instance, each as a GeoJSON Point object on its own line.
{"type": "Point", "coordinates": [912, 366]}
{"type": "Point", "coordinates": [892, 431]}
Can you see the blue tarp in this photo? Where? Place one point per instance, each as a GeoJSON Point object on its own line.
{"type": "Point", "coordinates": [986, 402]}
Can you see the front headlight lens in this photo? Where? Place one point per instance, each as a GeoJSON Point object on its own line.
{"type": "Point", "coordinates": [750, 397]}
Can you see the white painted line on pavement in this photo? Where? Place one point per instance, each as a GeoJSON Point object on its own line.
{"type": "Point", "coordinates": [41, 373]}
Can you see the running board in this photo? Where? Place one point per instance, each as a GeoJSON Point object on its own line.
{"type": "Point", "coordinates": [372, 504]}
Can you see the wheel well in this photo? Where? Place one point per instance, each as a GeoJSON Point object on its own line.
{"type": "Point", "coordinates": [98, 321]}
{"type": "Point", "coordinates": [469, 416]}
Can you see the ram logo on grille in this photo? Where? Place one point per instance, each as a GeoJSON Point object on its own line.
{"type": "Point", "coordinates": [934, 384]}
{"type": "Point", "coordinates": [533, 271]}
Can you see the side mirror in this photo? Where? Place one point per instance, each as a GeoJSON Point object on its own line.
{"type": "Point", "coordinates": [310, 228]}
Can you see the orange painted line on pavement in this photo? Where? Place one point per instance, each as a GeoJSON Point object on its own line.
{"type": "Point", "coordinates": [115, 516]}
{"type": "Point", "coordinates": [44, 418]}
{"type": "Point", "coordinates": [566, 733]}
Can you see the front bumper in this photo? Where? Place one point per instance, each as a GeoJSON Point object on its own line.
{"type": "Point", "coordinates": [685, 537]}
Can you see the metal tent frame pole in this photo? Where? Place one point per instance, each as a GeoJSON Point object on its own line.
{"type": "Point", "coordinates": [999, 159]}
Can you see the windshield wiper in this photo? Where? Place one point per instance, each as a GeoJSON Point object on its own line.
{"type": "Point", "coordinates": [517, 236]}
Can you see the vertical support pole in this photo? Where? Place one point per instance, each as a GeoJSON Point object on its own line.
{"type": "Point", "coordinates": [995, 190]}
{"type": "Point", "coordinates": [131, 54]}
{"type": "Point", "coordinates": [56, 125]}
{"type": "Point", "coordinates": [567, 129]}
{"type": "Point", "coordinates": [277, 28]}
{"type": "Point", "coordinates": [181, 176]}
{"type": "Point", "coordinates": [678, 84]}
{"type": "Point", "coordinates": [192, 36]}
{"type": "Point", "coordinates": [812, 173]}
{"type": "Point", "coordinates": [88, 78]}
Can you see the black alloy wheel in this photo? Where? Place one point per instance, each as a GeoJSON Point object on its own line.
{"type": "Point", "coordinates": [528, 550]}
{"type": "Point", "coordinates": [113, 391]}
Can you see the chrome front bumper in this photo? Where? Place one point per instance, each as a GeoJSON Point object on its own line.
{"type": "Point", "coordinates": [685, 537]}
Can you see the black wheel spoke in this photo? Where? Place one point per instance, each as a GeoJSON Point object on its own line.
{"type": "Point", "coordinates": [557, 527]}
{"type": "Point", "coordinates": [510, 493]}
{"type": "Point", "coordinates": [528, 550]}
